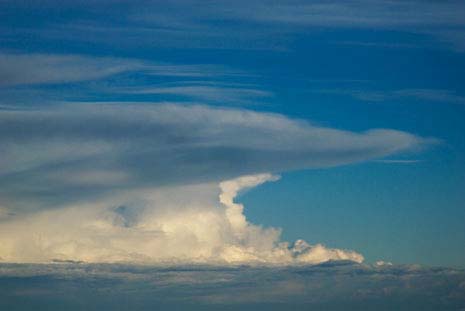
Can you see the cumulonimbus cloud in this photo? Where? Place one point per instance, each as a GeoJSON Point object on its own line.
{"type": "Point", "coordinates": [110, 182]}
{"type": "Point", "coordinates": [184, 224]}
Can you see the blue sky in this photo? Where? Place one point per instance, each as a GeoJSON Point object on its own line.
{"type": "Point", "coordinates": [294, 67]}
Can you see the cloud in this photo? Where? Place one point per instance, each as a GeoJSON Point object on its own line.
{"type": "Point", "coordinates": [206, 92]}
{"type": "Point", "coordinates": [65, 153]}
{"type": "Point", "coordinates": [441, 20]}
{"type": "Point", "coordinates": [141, 183]}
{"type": "Point", "coordinates": [423, 95]}
{"type": "Point", "coordinates": [183, 224]}
{"type": "Point", "coordinates": [29, 69]}
{"type": "Point", "coordinates": [433, 95]}
{"type": "Point", "coordinates": [17, 69]}
{"type": "Point", "coordinates": [397, 161]}
{"type": "Point", "coordinates": [340, 286]}
{"type": "Point", "coordinates": [240, 25]}
{"type": "Point", "coordinates": [361, 13]}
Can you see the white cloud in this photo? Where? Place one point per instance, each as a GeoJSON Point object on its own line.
{"type": "Point", "coordinates": [184, 224]}
{"type": "Point", "coordinates": [381, 263]}
{"type": "Point", "coordinates": [216, 93]}
{"type": "Point", "coordinates": [305, 253]}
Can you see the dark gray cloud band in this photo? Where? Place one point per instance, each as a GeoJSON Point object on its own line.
{"type": "Point", "coordinates": [57, 153]}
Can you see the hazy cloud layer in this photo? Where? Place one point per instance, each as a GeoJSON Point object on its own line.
{"type": "Point", "coordinates": [441, 20]}
{"type": "Point", "coordinates": [247, 24]}
{"type": "Point", "coordinates": [57, 154]}
{"type": "Point", "coordinates": [323, 287]}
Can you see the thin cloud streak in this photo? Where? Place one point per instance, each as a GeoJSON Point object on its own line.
{"type": "Point", "coordinates": [422, 95]}
{"type": "Point", "coordinates": [398, 161]}
{"type": "Point", "coordinates": [27, 69]}
{"type": "Point", "coordinates": [207, 93]}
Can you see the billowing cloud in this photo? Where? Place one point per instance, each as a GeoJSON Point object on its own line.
{"type": "Point", "coordinates": [169, 225]}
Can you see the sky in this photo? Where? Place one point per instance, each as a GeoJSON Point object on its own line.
{"type": "Point", "coordinates": [224, 155]}
{"type": "Point", "coordinates": [282, 133]}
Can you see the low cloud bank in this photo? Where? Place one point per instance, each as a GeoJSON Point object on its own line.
{"type": "Point", "coordinates": [329, 286]}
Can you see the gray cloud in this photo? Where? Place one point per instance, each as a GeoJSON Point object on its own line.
{"type": "Point", "coordinates": [25, 69]}
{"type": "Point", "coordinates": [428, 95]}
{"type": "Point", "coordinates": [433, 95]}
{"type": "Point", "coordinates": [330, 286]}
{"type": "Point", "coordinates": [17, 69]}
{"type": "Point", "coordinates": [362, 13]}
{"type": "Point", "coordinates": [59, 153]}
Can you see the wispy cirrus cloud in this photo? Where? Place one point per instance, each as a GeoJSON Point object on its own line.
{"type": "Point", "coordinates": [30, 69]}
{"type": "Point", "coordinates": [440, 20]}
{"type": "Point", "coordinates": [397, 161]}
{"type": "Point", "coordinates": [246, 24]}
{"type": "Point", "coordinates": [205, 91]}
{"type": "Point", "coordinates": [426, 95]}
